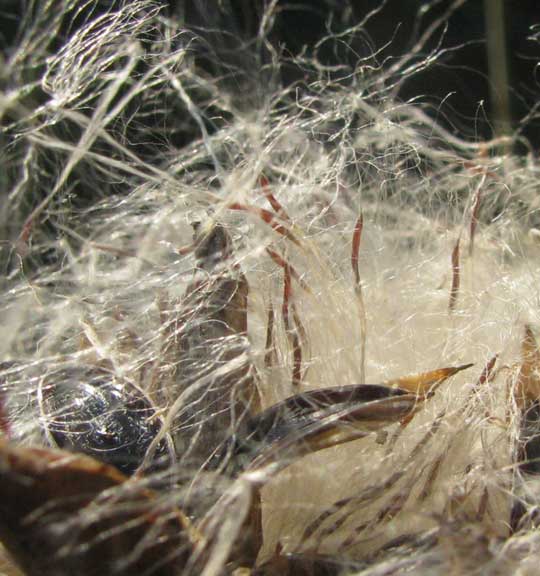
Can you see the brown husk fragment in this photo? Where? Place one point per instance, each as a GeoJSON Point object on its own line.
{"type": "Point", "coordinates": [64, 514]}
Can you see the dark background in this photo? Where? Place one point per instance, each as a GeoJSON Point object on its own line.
{"type": "Point", "coordinates": [461, 73]}
{"type": "Point", "coordinates": [298, 26]}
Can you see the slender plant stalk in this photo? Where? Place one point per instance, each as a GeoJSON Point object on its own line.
{"type": "Point", "coordinates": [497, 55]}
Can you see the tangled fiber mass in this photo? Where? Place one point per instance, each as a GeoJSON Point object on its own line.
{"type": "Point", "coordinates": [252, 327]}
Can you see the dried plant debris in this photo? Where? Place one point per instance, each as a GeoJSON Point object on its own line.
{"type": "Point", "coordinates": [212, 321]}
{"type": "Point", "coordinates": [65, 514]}
{"type": "Point", "coordinates": [239, 334]}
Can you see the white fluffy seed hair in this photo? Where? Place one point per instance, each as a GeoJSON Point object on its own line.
{"type": "Point", "coordinates": [99, 193]}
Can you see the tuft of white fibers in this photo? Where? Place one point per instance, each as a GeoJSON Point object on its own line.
{"type": "Point", "coordinates": [115, 142]}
